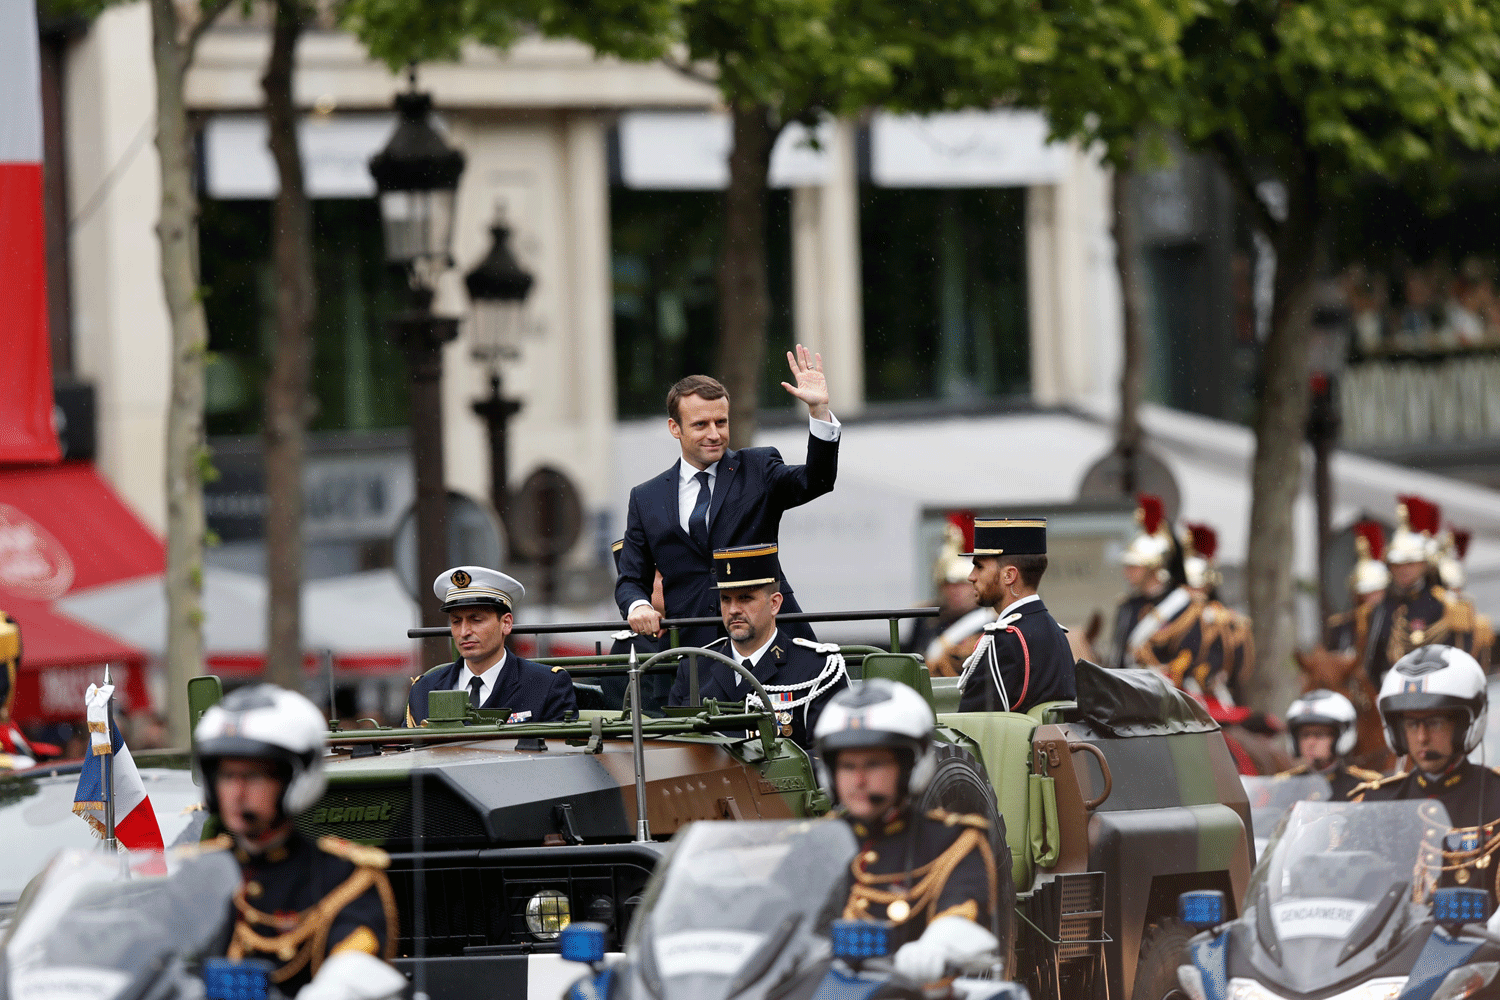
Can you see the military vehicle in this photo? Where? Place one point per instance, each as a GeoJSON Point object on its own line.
{"type": "Point", "coordinates": [500, 834]}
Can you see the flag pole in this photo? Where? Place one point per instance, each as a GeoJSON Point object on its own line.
{"type": "Point", "coordinates": [108, 770]}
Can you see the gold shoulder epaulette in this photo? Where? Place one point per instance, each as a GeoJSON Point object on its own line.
{"type": "Point", "coordinates": [1377, 782]}
{"type": "Point", "coordinates": [364, 857]}
{"type": "Point", "coordinates": [1295, 770]}
{"type": "Point", "coordinates": [1364, 774]}
{"type": "Point", "coordinates": [959, 819]}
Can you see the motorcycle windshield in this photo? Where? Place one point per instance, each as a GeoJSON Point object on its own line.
{"type": "Point", "coordinates": [1271, 797]}
{"type": "Point", "coordinates": [1339, 884]}
{"type": "Point", "coordinates": [98, 925]}
{"type": "Point", "coordinates": [734, 909]}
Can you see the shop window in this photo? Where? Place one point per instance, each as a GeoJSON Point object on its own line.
{"type": "Point", "coordinates": [664, 256]}
{"type": "Point", "coordinates": [944, 285]}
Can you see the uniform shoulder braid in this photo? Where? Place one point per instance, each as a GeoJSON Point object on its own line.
{"type": "Point", "coordinates": [1364, 774]}
{"type": "Point", "coordinates": [359, 854]}
{"type": "Point", "coordinates": [1378, 782]}
{"type": "Point", "coordinates": [972, 820]}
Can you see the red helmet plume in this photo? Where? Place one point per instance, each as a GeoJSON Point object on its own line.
{"type": "Point", "coordinates": [1374, 537]}
{"type": "Point", "coordinates": [1151, 512]}
{"type": "Point", "coordinates": [1421, 515]}
{"type": "Point", "coordinates": [1205, 540]}
{"type": "Point", "coordinates": [963, 520]}
{"type": "Point", "coordinates": [1461, 537]}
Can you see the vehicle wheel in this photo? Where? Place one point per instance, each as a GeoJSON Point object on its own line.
{"type": "Point", "coordinates": [1163, 949]}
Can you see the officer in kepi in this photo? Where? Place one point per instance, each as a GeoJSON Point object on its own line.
{"type": "Point", "coordinates": [1433, 704]}
{"type": "Point", "coordinates": [1024, 658]}
{"type": "Point", "coordinates": [1321, 724]}
{"type": "Point", "coordinates": [799, 675]}
{"type": "Point", "coordinates": [322, 914]}
{"type": "Point", "coordinates": [480, 605]}
{"type": "Point", "coordinates": [932, 876]}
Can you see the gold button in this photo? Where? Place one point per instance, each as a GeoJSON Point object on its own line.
{"type": "Point", "coordinates": [870, 857]}
{"type": "Point", "coordinates": [1461, 876]}
{"type": "Point", "coordinates": [253, 889]}
{"type": "Point", "coordinates": [898, 911]}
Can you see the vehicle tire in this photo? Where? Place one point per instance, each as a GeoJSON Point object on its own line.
{"type": "Point", "coordinates": [1163, 949]}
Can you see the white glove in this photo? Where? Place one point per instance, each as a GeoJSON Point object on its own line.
{"type": "Point", "coordinates": [947, 940]}
{"type": "Point", "coordinates": [353, 975]}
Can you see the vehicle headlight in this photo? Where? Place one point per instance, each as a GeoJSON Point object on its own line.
{"type": "Point", "coordinates": [1249, 989]}
{"type": "Point", "coordinates": [1376, 989]}
{"type": "Point", "coordinates": [547, 913]}
{"type": "Point", "coordinates": [1466, 980]}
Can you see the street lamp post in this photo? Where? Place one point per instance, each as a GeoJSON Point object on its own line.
{"type": "Point", "coordinates": [498, 287]}
{"type": "Point", "coordinates": [416, 175]}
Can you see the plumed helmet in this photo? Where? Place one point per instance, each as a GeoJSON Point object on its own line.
{"type": "Point", "coordinates": [265, 722]}
{"type": "Point", "coordinates": [1324, 708]}
{"type": "Point", "coordinates": [1453, 549]}
{"type": "Point", "coordinates": [1199, 564]}
{"type": "Point", "coordinates": [1370, 573]}
{"type": "Point", "coordinates": [880, 714]}
{"type": "Point", "coordinates": [950, 566]}
{"type": "Point", "coordinates": [1416, 527]}
{"type": "Point", "coordinates": [1153, 544]}
{"type": "Point", "coordinates": [1433, 678]}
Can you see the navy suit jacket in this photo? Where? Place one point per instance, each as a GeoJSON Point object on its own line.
{"type": "Point", "coordinates": [522, 687]}
{"type": "Point", "coordinates": [1051, 666]}
{"type": "Point", "coordinates": [753, 488]}
{"type": "Point", "coordinates": [784, 663]}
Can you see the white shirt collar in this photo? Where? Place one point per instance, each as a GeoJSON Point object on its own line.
{"type": "Point", "coordinates": [1013, 605]}
{"type": "Point", "coordinates": [487, 679]}
{"type": "Point", "coordinates": [754, 657]}
{"type": "Point", "coordinates": [687, 474]}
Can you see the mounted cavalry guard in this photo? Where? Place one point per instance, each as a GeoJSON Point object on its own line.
{"type": "Point", "coordinates": [961, 624]}
{"type": "Point", "coordinates": [933, 877]}
{"type": "Point", "coordinates": [799, 674]}
{"type": "Point", "coordinates": [1433, 704]}
{"type": "Point", "coordinates": [1453, 549]}
{"type": "Point", "coordinates": [1416, 612]}
{"type": "Point", "coordinates": [1226, 647]}
{"type": "Point", "coordinates": [322, 914]}
{"type": "Point", "coordinates": [480, 606]}
{"type": "Point", "coordinates": [1367, 586]}
{"type": "Point", "coordinates": [1144, 562]}
{"type": "Point", "coordinates": [1023, 658]}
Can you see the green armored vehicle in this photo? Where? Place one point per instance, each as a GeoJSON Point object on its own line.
{"type": "Point", "coordinates": [500, 834]}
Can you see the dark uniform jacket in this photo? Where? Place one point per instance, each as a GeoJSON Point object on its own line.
{"type": "Point", "coordinates": [1403, 621]}
{"type": "Point", "coordinates": [654, 687]}
{"type": "Point", "coordinates": [752, 489]}
{"type": "Point", "coordinates": [1343, 779]}
{"type": "Point", "coordinates": [1127, 615]}
{"type": "Point", "coordinates": [785, 663]}
{"type": "Point", "coordinates": [532, 692]}
{"type": "Point", "coordinates": [303, 901]}
{"type": "Point", "coordinates": [910, 874]}
{"type": "Point", "coordinates": [1051, 665]}
{"type": "Point", "coordinates": [1471, 794]}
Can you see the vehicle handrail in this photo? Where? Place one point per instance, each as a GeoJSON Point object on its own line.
{"type": "Point", "coordinates": [892, 615]}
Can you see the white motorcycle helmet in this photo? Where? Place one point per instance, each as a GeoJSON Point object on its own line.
{"type": "Point", "coordinates": [1323, 708]}
{"type": "Point", "coordinates": [879, 714]}
{"type": "Point", "coordinates": [1433, 678]}
{"type": "Point", "coordinates": [265, 722]}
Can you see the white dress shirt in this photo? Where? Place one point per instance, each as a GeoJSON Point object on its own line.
{"type": "Point", "coordinates": [687, 481]}
{"type": "Point", "coordinates": [754, 657]}
{"type": "Point", "coordinates": [1013, 605]}
{"type": "Point", "coordinates": [486, 680]}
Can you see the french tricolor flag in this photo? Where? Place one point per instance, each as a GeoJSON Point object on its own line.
{"type": "Point", "coordinates": [26, 428]}
{"type": "Point", "coordinates": [135, 820]}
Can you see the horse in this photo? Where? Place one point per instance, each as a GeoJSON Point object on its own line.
{"type": "Point", "coordinates": [1325, 669]}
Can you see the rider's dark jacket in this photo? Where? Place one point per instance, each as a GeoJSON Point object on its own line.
{"type": "Point", "coordinates": [304, 901]}
{"type": "Point", "coordinates": [1343, 778]}
{"type": "Point", "coordinates": [912, 872]}
{"type": "Point", "coordinates": [1471, 794]}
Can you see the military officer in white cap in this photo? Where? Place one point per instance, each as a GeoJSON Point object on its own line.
{"type": "Point", "coordinates": [480, 603]}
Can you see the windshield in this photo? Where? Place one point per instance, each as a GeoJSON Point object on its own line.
{"type": "Point", "coordinates": [1341, 878]}
{"type": "Point", "coordinates": [94, 925]}
{"type": "Point", "coordinates": [723, 909]}
{"type": "Point", "coordinates": [1271, 797]}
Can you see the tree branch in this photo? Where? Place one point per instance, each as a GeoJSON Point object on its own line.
{"type": "Point", "coordinates": [209, 14]}
{"type": "Point", "coordinates": [1232, 159]}
{"type": "Point", "coordinates": [688, 71]}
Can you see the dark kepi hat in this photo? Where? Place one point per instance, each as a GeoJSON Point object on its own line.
{"type": "Point", "coordinates": [1009, 536]}
{"type": "Point", "coordinates": [745, 566]}
{"type": "Point", "coordinates": [614, 550]}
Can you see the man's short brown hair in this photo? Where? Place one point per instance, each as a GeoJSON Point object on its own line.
{"type": "Point", "coordinates": [1031, 568]}
{"type": "Point", "coordinates": [694, 385]}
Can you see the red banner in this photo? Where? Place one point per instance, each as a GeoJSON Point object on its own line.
{"type": "Point", "coordinates": [27, 435]}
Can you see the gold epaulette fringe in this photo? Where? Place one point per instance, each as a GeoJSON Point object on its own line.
{"type": "Point", "coordinates": [365, 857]}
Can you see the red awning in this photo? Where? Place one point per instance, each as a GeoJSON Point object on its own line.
{"type": "Point", "coordinates": [62, 528]}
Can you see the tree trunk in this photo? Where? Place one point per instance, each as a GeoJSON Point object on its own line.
{"type": "Point", "coordinates": [1280, 424]}
{"type": "Point", "coordinates": [187, 451]}
{"type": "Point", "coordinates": [1128, 435]}
{"type": "Point", "coordinates": [287, 405]}
{"type": "Point", "coordinates": [744, 301]}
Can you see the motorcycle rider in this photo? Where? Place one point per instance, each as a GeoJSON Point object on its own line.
{"type": "Point", "coordinates": [322, 913]}
{"type": "Point", "coordinates": [1433, 705]}
{"type": "Point", "coordinates": [1321, 724]}
{"type": "Point", "coordinates": [932, 877]}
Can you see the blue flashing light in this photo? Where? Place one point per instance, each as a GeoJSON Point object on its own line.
{"type": "Point", "coordinates": [583, 942]}
{"type": "Point", "coordinates": [224, 979]}
{"type": "Point", "coordinates": [856, 940]}
{"type": "Point", "coordinates": [1461, 906]}
{"type": "Point", "coordinates": [1201, 909]}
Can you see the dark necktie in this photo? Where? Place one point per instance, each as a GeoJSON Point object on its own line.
{"type": "Point", "coordinates": [698, 519]}
{"type": "Point", "coordinates": [476, 684]}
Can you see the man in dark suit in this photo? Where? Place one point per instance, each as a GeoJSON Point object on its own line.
{"type": "Point", "coordinates": [715, 497]}
{"type": "Point", "coordinates": [479, 604]}
{"type": "Point", "coordinates": [1024, 658]}
{"type": "Point", "coordinates": [799, 675]}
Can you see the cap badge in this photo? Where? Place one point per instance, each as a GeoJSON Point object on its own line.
{"type": "Point", "coordinates": [461, 578]}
